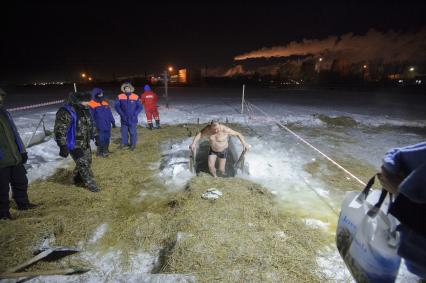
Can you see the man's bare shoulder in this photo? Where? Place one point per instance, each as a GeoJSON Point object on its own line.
{"type": "Point", "coordinates": [206, 130]}
{"type": "Point", "coordinates": [227, 130]}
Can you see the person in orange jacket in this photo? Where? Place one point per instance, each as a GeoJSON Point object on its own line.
{"type": "Point", "coordinates": [150, 99]}
{"type": "Point", "coordinates": [103, 118]}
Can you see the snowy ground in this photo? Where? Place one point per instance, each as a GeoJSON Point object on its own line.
{"type": "Point", "coordinates": [277, 160]}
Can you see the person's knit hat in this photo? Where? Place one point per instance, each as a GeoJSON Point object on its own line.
{"type": "Point", "coordinates": [147, 88]}
{"type": "Point", "coordinates": [83, 96]}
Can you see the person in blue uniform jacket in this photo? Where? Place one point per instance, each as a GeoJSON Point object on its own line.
{"type": "Point", "coordinates": [103, 118]}
{"type": "Point", "coordinates": [404, 175]}
{"type": "Point", "coordinates": [128, 106]}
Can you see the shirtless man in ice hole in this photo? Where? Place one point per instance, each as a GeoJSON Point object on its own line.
{"type": "Point", "coordinates": [218, 138]}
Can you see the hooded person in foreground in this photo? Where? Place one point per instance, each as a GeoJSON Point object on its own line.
{"type": "Point", "coordinates": [74, 129]}
{"type": "Point", "coordinates": [13, 156]}
{"type": "Point", "coordinates": [404, 175]}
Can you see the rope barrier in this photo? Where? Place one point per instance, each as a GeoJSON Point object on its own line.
{"type": "Point", "coordinates": [308, 144]}
{"type": "Point", "coordinates": [35, 105]}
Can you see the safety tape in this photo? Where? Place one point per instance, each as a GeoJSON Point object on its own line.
{"type": "Point", "coordinates": [35, 105]}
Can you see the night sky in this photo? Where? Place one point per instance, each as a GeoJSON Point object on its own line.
{"type": "Point", "coordinates": [57, 41]}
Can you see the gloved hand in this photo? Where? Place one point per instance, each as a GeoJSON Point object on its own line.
{"type": "Point", "coordinates": [77, 153]}
{"type": "Point", "coordinates": [389, 181]}
{"type": "Point", "coordinates": [63, 151]}
{"type": "Point", "coordinates": [24, 157]}
{"type": "Point", "coordinates": [97, 140]}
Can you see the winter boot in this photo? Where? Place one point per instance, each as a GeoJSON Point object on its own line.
{"type": "Point", "coordinates": [104, 151]}
{"type": "Point", "coordinates": [150, 126]}
{"type": "Point", "coordinates": [5, 215]}
{"type": "Point", "coordinates": [77, 180]}
{"type": "Point", "coordinates": [99, 150]}
{"type": "Point", "coordinates": [26, 206]}
{"type": "Point", "coordinates": [94, 189]}
{"type": "Point", "coordinates": [107, 149]}
{"type": "Point", "coordinates": [158, 123]}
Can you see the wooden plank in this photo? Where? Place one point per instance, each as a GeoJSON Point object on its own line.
{"type": "Point", "coordinates": [67, 271]}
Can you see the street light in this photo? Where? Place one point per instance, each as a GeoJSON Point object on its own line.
{"type": "Point", "coordinates": [170, 69]}
{"type": "Point", "coordinates": [411, 69]}
{"type": "Point", "coordinates": [320, 59]}
{"type": "Point", "coordinates": [365, 66]}
{"type": "Point", "coordinates": [83, 75]}
{"type": "Point", "coordinates": [89, 78]}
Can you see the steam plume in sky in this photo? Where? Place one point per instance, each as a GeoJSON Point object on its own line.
{"type": "Point", "coordinates": [389, 47]}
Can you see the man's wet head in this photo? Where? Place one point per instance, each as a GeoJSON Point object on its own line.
{"type": "Point", "coordinates": [215, 125]}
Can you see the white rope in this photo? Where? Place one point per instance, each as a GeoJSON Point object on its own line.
{"type": "Point", "coordinates": [308, 144]}
{"type": "Point", "coordinates": [250, 110]}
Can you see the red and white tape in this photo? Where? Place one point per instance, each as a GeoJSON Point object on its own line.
{"type": "Point", "coordinates": [35, 105]}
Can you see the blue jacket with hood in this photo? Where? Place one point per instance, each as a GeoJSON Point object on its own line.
{"type": "Point", "coordinates": [409, 206]}
{"type": "Point", "coordinates": [411, 162]}
{"type": "Point", "coordinates": [101, 111]}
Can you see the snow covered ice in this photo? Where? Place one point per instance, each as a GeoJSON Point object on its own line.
{"type": "Point", "coordinates": [277, 160]}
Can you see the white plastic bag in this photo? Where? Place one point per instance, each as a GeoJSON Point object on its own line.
{"type": "Point", "coordinates": [366, 238]}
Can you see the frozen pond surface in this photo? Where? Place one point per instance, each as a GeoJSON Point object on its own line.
{"type": "Point", "coordinates": [378, 122]}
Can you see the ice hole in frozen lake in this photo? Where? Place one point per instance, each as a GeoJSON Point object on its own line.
{"type": "Point", "coordinates": [201, 162]}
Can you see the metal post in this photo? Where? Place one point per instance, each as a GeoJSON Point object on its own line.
{"type": "Point", "coordinates": [242, 100]}
{"type": "Point", "coordinates": [75, 87]}
{"type": "Point", "coordinates": [35, 131]}
{"type": "Point", "coordinates": [166, 88]}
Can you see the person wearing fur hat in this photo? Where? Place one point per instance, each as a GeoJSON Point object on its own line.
{"type": "Point", "coordinates": [74, 129]}
{"type": "Point", "coordinates": [13, 156]}
{"type": "Point", "coordinates": [128, 106]}
{"type": "Point", "coordinates": [103, 118]}
{"type": "Point", "coordinates": [149, 99]}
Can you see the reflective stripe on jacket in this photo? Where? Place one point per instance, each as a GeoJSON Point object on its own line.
{"type": "Point", "coordinates": [101, 114]}
{"type": "Point", "coordinates": [128, 106]}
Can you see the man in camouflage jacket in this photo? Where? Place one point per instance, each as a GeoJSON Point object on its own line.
{"type": "Point", "coordinates": [74, 129]}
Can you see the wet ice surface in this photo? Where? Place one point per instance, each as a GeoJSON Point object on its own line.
{"type": "Point", "coordinates": [174, 166]}
{"type": "Point", "coordinates": [277, 159]}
